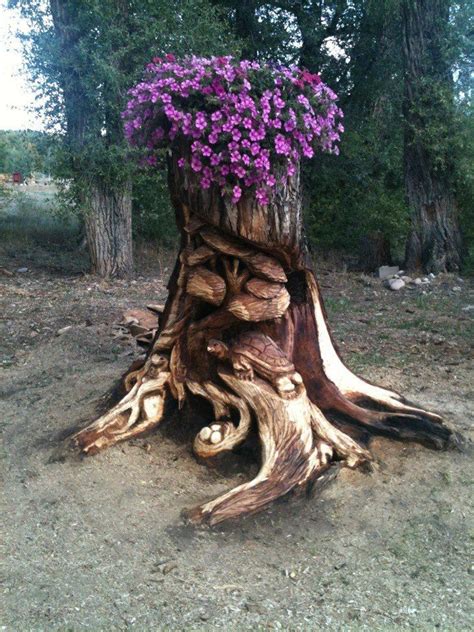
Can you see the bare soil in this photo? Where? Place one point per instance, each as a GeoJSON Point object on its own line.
{"type": "Point", "coordinates": [99, 544]}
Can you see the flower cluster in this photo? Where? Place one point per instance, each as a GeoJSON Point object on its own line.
{"type": "Point", "coordinates": [245, 124]}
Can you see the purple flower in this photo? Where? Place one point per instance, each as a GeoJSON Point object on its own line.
{"type": "Point", "coordinates": [236, 134]}
{"type": "Point", "coordinates": [278, 103]}
{"type": "Point", "coordinates": [262, 196]}
{"type": "Point", "coordinates": [282, 146]}
{"type": "Point", "coordinates": [270, 181]}
{"type": "Point", "coordinates": [255, 149]}
{"type": "Point", "coordinates": [303, 100]}
{"type": "Point", "coordinates": [234, 131]}
{"type": "Point", "coordinates": [236, 194]}
{"type": "Point", "coordinates": [196, 164]}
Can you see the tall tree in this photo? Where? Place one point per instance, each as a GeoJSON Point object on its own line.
{"type": "Point", "coordinates": [92, 118]}
{"type": "Point", "coordinates": [434, 243]}
{"type": "Point", "coordinates": [83, 56]}
{"type": "Point", "coordinates": [357, 200]}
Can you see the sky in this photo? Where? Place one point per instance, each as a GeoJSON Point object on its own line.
{"type": "Point", "coordinates": [15, 95]}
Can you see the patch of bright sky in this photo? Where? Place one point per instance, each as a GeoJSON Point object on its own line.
{"type": "Point", "coordinates": [16, 96]}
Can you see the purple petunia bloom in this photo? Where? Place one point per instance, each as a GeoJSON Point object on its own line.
{"type": "Point", "coordinates": [238, 134]}
{"type": "Point", "coordinates": [236, 194]}
{"type": "Point", "coordinates": [196, 164]}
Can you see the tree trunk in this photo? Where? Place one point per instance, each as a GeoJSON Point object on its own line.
{"type": "Point", "coordinates": [434, 243]}
{"type": "Point", "coordinates": [109, 230]}
{"type": "Point", "coordinates": [244, 328]}
{"type": "Point", "coordinates": [108, 207]}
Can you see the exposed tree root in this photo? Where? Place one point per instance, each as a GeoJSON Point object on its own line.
{"type": "Point", "coordinates": [139, 411]}
{"type": "Point", "coordinates": [292, 456]}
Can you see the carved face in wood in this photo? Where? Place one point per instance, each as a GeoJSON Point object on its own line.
{"type": "Point", "coordinates": [218, 349]}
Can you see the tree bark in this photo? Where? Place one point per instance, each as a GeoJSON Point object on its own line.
{"type": "Point", "coordinates": [260, 354]}
{"type": "Point", "coordinates": [434, 243]}
{"type": "Point", "coordinates": [109, 230]}
{"type": "Point", "coordinates": [107, 206]}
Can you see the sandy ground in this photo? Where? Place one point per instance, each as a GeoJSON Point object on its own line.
{"type": "Point", "coordinates": [98, 543]}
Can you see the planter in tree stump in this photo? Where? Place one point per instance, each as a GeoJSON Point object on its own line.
{"type": "Point", "coordinates": [244, 326]}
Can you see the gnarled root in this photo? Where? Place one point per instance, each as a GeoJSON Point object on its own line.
{"type": "Point", "coordinates": [139, 411]}
{"type": "Point", "coordinates": [381, 410]}
{"type": "Point", "coordinates": [292, 456]}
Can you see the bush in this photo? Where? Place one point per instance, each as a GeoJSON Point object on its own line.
{"type": "Point", "coordinates": [358, 193]}
{"type": "Point", "coordinates": [153, 215]}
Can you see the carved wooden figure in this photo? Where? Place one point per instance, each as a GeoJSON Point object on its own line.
{"type": "Point", "coordinates": [244, 328]}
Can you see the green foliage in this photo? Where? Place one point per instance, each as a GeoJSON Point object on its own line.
{"type": "Point", "coordinates": [28, 221]}
{"type": "Point", "coordinates": [25, 151]}
{"type": "Point", "coordinates": [362, 191]}
{"type": "Point", "coordinates": [356, 44]}
{"type": "Point", "coordinates": [465, 184]}
{"type": "Point", "coordinates": [153, 217]}
{"type": "Point", "coordinates": [82, 58]}
{"type": "Point", "coordinates": [356, 194]}
{"type": "Point", "coordinates": [5, 196]}
{"type": "Point", "coordinates": [463, 51]}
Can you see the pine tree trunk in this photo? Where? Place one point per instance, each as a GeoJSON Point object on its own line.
{"type": "Point", "coordinates": [244, 329]}
{"type": "Point", "coordinates": [434, 244]}
{"type": "Point", "coordinates": [109, 230]}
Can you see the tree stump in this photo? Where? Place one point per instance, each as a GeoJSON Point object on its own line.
{"type": "Point", "coordinates": [244, 327]}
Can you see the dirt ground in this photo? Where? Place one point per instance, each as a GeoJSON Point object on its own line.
{"type": "Point", "coordinates": [99, 544]}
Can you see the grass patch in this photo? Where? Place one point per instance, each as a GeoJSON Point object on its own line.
{"type": "Point", "coordinates": [30, 231]}
{"type": "Point", "coordinates": [336, 305]}
{"type": "Point", "coordinates": [417, 323]}
{"type": "Point", "coordinates": [359, 360]}
{"type": "Point", "coordinates": [26, 220]}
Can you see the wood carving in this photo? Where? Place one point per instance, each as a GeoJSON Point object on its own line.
{"type": "Point", "coordinates": [224, 245]}
{"type": "Point", "coordinates": [260, 264]}
{"type": "Point", "coordinates": [249, 308]}
{"type": "Point", "coordinates": [266, 267]}
{"type": "Point", "coordinates": [253, 352]}
{"type": "Point", "coordinates": [293, 456]}
{"type": "Point", "coordinates": [206, 285]}
{"type": "Point", "coordinates": [245, 329]}
{"type": "Point", "coordinates": [263, 289]}
{"type": "Point", "coordinates": [199, 256]}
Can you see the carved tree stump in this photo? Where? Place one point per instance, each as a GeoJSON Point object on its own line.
{"type": "Point", "coordinates": [244, 327]}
